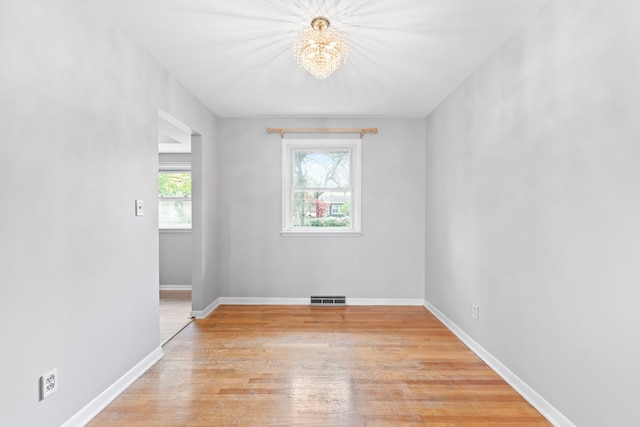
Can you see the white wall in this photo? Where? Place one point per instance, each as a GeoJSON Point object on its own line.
{"type": "Point", "coordinates": [174, 158]}
{"type": "Point", "coordinates": [175, 258]}
{"type": "Point", "coordinates": [533, 208]}
{"type": "Point", "coordinates": [79, 276]}
{"type": "Point", "coordinates": [386, 262]}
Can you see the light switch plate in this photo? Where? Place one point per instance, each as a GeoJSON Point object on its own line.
{"type": "Point", "coordinates": [475, 311]}
{"type": "Point", "coordinates": [139, 208]}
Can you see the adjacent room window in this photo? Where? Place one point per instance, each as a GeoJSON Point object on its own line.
{"type": "Point", "coordinates": [174, 190]}
{"type": "Point", "coordinates": [321, 186]}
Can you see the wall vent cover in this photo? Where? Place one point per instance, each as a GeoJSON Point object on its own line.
{"type": "Point", "coordinates": [328, 301]}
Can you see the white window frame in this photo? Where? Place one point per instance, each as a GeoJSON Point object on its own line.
{"type": "Point", "coordinates": [289, 147]}
{"type": "Point", "coordinates": [176, 168]}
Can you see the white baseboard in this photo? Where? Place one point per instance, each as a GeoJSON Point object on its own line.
{"type": "Point", "coordinates": [385, 301]}
{"type": "Point", "coordinates": [264, 301]}
{"type": "Point", "coordinates": [207, 311]}
{"type": "Point", "coordinates": [175, 287]}
{"type": "Point", "coordinates": [94, 407]}
{"type": "Point", "coordinates": [529, 394]}
{"type": "Point", "coordinates": [305, 301]}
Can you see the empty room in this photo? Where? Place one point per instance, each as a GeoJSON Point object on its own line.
{"type": "Point", "coordinates": [371, 212]}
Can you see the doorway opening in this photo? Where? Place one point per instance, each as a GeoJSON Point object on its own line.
{"type": "Point", "coordinates": [175, 225]}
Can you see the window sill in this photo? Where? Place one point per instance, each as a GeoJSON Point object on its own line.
{"type": "Point", "coordinates": [324, 233]}
{"type": "Point", "coordinates": [175, 230]}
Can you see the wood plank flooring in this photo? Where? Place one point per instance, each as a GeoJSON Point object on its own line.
{"type": "Point", "coordinates": [318, 366]}
{"type": "Point", "coordinates": [175, 312]}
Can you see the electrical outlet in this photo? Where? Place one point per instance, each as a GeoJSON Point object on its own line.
{"type": "Point", "coordinates": [48, 384]}
{"type": "Point", "coordinates": [475, 311]}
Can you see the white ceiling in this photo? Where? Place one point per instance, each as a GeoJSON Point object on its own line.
{"type": "Point", "coordinates": [405, 56]}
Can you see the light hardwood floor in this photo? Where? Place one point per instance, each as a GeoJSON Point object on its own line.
{"type": "Point", "coordinates": [307, 366]}
{"type": "Point", "coordinates": [175, 312]}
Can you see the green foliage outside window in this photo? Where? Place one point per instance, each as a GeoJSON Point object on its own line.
{"type": "Point", "coordinates": [345, 208]}
{"type": "Point", "coordinates": [174, 189]}
{"type": "Point", "coordinates": [330, 221]}
{"type": "Point", "coordinates": [174, 184]}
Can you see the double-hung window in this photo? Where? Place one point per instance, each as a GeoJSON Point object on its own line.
{"type": "Point", "coordinates": [321, 187]}
{"type": "Point", "coordinates": [174, 191]}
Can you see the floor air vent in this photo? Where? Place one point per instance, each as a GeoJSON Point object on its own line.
{"type": "Point", "coordinates": [326, 301]}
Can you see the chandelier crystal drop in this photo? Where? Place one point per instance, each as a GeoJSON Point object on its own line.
{"type": "Point", "coordinates": [319, 49]}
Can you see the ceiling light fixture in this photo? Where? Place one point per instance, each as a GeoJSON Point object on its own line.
{"type": "Point", "coordinates": [319, 49]}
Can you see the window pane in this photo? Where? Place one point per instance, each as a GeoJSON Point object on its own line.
{"type": "Point", "coordinates": [321, 169]}
{"type": "Point", "coordinates": [321, 209]}
{"type": "Point", "coordinates": [174, 184]}
{"type": "Point", "coordinates": [174, 189]}
{"type": "Point", "coordinates": [175, 213]}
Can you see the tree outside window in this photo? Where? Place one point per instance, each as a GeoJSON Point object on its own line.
{"type": "Point", "coordinates": [174, 191]}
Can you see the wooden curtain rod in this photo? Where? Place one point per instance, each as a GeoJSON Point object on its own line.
{"type": "Point", "coordinates": [361, 131]}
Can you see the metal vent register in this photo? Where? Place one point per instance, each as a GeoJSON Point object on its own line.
{"type": "Point", "coordinates": [329, 301]}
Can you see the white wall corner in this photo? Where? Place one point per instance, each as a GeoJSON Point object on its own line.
{"type": "Point", "coordinates": [94, 407]}
{"type": "Point", "coordinates": [208, 310]}
{"type": "Point", "coordinates": [529, 394]}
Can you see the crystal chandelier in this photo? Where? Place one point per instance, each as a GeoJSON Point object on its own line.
{"type": "Point", "coordinates": [319, 49]}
